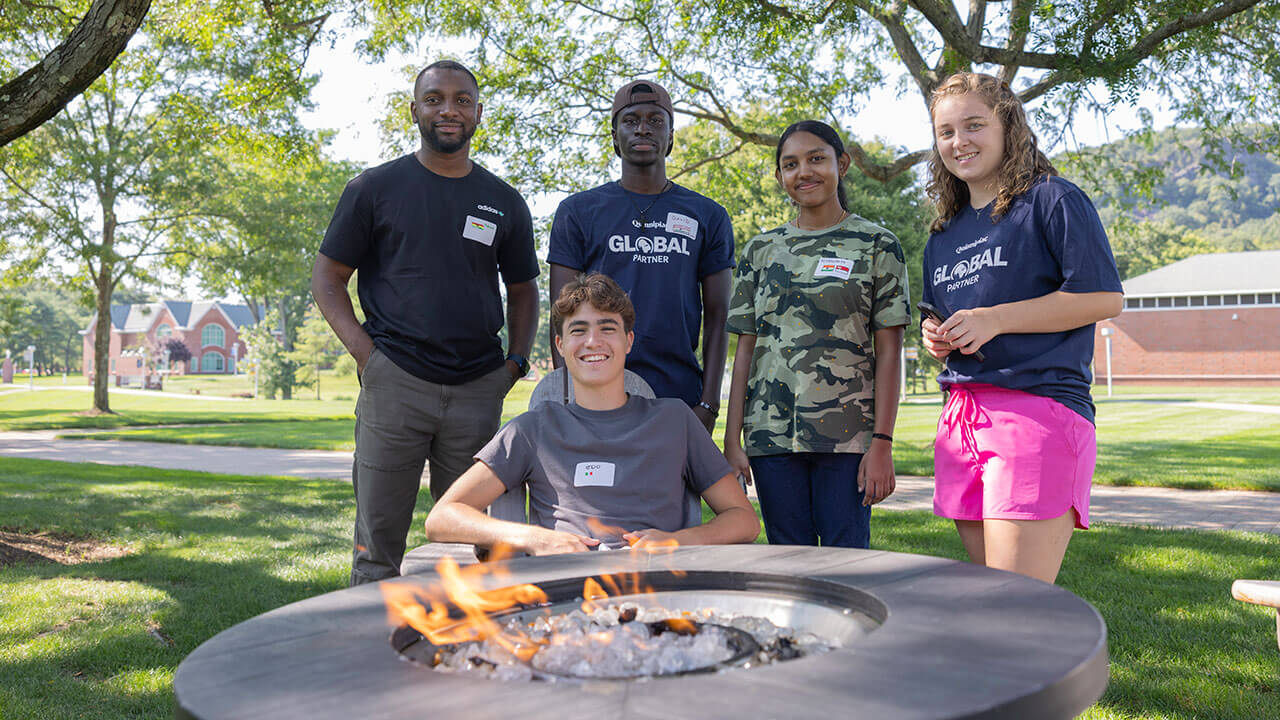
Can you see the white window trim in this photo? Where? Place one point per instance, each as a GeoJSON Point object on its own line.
{"type": "Point", "coordinates": [205, 328]}
{"type": "Point", "coordinates": [222, 362]}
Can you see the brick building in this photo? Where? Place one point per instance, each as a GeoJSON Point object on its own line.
{"type": "Point", "coordinates": [210, 330]}
{"type": "Point", "coordinates": [1208, 318]}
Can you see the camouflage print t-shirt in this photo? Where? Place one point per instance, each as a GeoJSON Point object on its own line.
{"type": "Point", "coordinates": [814, 298]}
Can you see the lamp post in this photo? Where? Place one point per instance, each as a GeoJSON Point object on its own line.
{"type": "Point", "coordinates": [1106, 338]}
{"type": "Point", "coordinates": [30, 357]}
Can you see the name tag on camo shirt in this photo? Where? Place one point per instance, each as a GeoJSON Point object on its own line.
{"type": "Point", "coordinates": [833, 267]}
{"type": "Point", "coordinates": [593, 474]}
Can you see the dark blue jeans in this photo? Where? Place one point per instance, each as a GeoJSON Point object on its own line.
{"type": "Point", "coordinates": [811, 499]}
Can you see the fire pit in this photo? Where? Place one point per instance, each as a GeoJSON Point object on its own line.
{"type": "Point", "coordinates": [911, 637]}
{"type": "Point", "coordinates": [650, 625]}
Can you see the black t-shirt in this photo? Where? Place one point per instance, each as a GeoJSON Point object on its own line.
{"type": "Point", "coordinates": [429, 250]}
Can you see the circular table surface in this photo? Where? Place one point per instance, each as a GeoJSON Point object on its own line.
{"type": "Point", "coordinates": [958, 640]}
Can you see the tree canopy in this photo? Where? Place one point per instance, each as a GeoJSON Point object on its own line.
{"type": "Point", "coordinates": [553, 64]}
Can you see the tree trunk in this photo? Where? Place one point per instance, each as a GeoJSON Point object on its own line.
{"type": "Point", "coordinates": [102, 341]}
{"type": "Point", "coordinates": [105, 284]}
{"type": "Point", "coordinates": [42, 91]}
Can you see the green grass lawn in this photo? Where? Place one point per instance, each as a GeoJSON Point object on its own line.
{"type": "Point", "coordinates": [102, 639]}
{"type": "Point", "coordinates": [61, 408]}
{"type": "Point", "coordinates": [311, 434]}
{"type": "Point", "coordinates": [1263, 395]}
{"type": "Point", "coordinates": [332, 385]}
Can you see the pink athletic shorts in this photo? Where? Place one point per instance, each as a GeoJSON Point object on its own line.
{"type": "Point", "coordinates": [1010, 455]}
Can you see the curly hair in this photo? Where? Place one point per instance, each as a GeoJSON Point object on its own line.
{"type": "Point", "coordinates": [598, 289]}
{"type": "Point", "coordinates": [1023, 163]}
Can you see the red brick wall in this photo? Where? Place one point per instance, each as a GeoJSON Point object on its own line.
{"type": "Point", "coordinates": [230, 338]}
{"type": "Point", "coordinates": [1193, 342]}
{"type": "Point", "coordinates": [114, 348]}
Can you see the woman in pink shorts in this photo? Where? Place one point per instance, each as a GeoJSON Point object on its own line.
{"type": "Point", "coordinates": [1018, 259]}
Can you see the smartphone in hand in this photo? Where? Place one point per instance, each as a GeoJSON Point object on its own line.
{"type": "Point", "coordinates": [939, 317]}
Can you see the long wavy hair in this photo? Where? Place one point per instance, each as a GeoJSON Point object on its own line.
{"type": "Point", "coordinates": [1023, 163]}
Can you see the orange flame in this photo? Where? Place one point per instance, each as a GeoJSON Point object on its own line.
{"type": "Point", "coordinates": [683, 626]}
{"type": "Point", "coordinates": [427, 609]}
{"type": "Point", "coordinates": [591, 592]}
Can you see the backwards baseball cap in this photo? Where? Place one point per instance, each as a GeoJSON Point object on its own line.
{"type": "Point", "coordinates": [638, 92]}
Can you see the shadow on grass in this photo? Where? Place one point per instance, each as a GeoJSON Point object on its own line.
{"type": "Point", "coordinates": [1181, 647]}
{"type": "Point", "coordinates": [94, 670]}
{"type": "Point", "coordinates": [318, 434]}
{"type": "Point", "coordinates": [209, 551]}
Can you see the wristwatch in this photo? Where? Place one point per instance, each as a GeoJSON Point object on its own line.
{"type": "Point", "coordinates": [521, 363]}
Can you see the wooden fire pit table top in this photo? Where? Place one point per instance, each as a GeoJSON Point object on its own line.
{"type": "Point", "coordinates": [956, 640]}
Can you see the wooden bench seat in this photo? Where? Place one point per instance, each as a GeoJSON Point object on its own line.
{"type": "Point", "coordinates": [424, 558]}
{"type": "Point", "coordinates": [1260, 592]}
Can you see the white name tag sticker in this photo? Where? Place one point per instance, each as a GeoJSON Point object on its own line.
{"type": "Point", "coordinates": [479, 229]}
{"type": "Point", "coordinates": [593, 474]}
{"type": "Point", "coordinates": [833, 267]}
{"type": "Point", "coordinates": [683, 224]}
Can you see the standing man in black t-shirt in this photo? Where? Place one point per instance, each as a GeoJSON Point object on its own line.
{"type": "Point", "coordinates": [430, 233]}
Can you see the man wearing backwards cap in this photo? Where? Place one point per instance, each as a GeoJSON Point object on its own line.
{"type": "Point", "coordinates": [670, 248]}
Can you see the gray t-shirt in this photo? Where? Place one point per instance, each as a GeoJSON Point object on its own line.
{"type": "Point", "coordinates": [627, 467]}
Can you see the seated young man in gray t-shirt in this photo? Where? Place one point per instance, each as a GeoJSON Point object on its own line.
{"type": "Point", "coordinates": [607, 470]}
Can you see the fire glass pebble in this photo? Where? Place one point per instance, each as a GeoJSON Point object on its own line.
{"type": "Point", "coordinates": [618, 641]}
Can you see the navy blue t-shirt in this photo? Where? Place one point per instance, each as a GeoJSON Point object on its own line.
{"type": "Point", "coordinates": [1050, 239]}
{"type": "Point", "coordinates": [659, 262]}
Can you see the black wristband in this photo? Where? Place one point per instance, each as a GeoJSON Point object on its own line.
{"type": "Point", "coordinates": [708, 407]}
{"type": "Point", "coordinates": [521, 363]}
{"type": "Point", "coordinates": [882, 436]}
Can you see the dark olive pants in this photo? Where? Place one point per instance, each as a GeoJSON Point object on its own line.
{"type": "Point", "coordinates": [402, 422]}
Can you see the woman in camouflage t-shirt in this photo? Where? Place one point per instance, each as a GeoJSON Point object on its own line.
{"type": "Point", "coordinates": [819, 307]}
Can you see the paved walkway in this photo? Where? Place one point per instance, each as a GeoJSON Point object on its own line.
{"type": "Point", "coordinates": [44, 445]}
{"type": "Point", "coordinates": [1156, 507]}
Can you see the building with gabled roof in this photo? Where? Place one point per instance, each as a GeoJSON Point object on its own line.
{"type": "Point", "coordinates": [1212, 317]}
{"type": "Point", "coordinates": [211, 330]}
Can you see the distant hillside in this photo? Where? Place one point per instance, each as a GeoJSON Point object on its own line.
{"type": "Point", "coordinates": [1246, 188]}
{"type": "Point", "coordinates": [1233, 206]}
